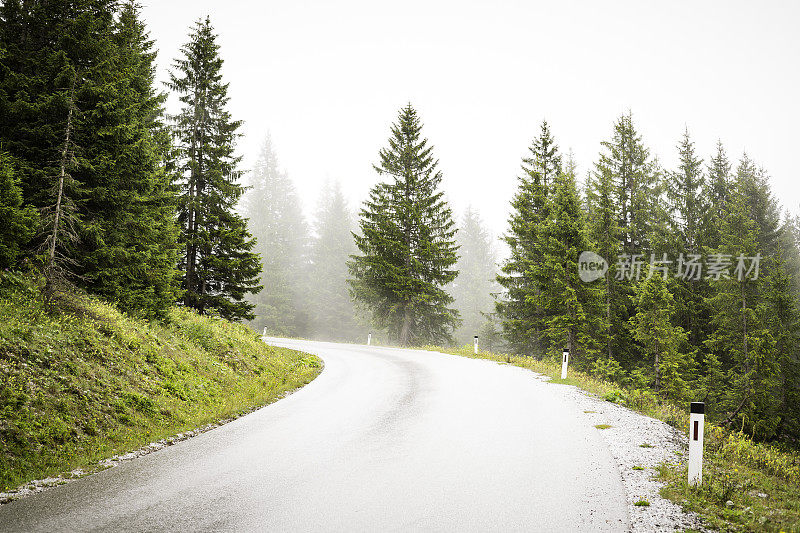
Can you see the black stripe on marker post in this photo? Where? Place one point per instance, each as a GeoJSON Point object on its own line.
{"type": "Point", "coordinates": [698, 408]}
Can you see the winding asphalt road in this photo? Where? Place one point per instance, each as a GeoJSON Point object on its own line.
{"type": "Point", "coordinates": [383, 440]}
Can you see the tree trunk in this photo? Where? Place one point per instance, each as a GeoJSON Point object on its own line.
{"type": "Point", "coordinates": [405, 331]}
{"type": "Point", "coordinates": [658, 373]}
{"type": "Point", "coordinates": [62, 175]}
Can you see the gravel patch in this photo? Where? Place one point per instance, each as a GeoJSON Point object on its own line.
{"type": "Point", "coordinates": [626, 433]}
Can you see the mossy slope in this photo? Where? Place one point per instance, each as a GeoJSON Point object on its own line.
{"type": "Point", "coordinates": [85, 381]}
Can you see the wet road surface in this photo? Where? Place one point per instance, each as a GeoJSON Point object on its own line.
{"type": "Point", "coordinates": [383, 440]}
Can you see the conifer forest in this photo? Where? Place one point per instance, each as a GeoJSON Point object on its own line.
{"type": "Point", "coordinates": [683, 280]}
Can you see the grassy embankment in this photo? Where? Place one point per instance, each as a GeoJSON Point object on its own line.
{"type": "Point", "coordinates": [747, 486]}
{"type": "Point", "coordinates": [86, 382]}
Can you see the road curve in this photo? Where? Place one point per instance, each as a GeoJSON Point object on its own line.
{"type": "Point", "coordinates": [383, 440]}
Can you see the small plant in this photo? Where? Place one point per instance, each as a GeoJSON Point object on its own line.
{"type": "Point", "coordinates": [615, 396]}
{"type": "Point", "coordinates": [590, 411]}
{"type": "Point", "coordinates": [602, 426]}
{"type": "Point", "coordinates": [642, 503]}
{"type": "Point", "coordinates": [638, 468]}
{"type": "Point", "coordinates": [645, 445]}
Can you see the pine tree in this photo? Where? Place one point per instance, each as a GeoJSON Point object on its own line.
{"type": "Point", "coordinates": [407, 247]}
{"type": "Point", "coordinates": [333, 316]}
{"type": "Point", "coordinates": [604, 231]}
{"type": "Point", "coordinates": [473, 288]}
{"type": "Point", "coordinates": [276, 221]}
{"type": "Point", "coordinates": [628, 161]}
{"type": "Point", "coordinates": [218, 264]}
{"type": "Point", "coordinates": [782, 317]}
{"type": "Point", "coordinates": [573, 309]}
{"type": "Point", "coordinates": [19, 221]}
{"type": "Point", "coordinates": [523, 323]}
{"type": "Point", "coordinates": [660, 340]}
{"type": "Point", "coordinates": [716, 193]}
{"type": "Point", "coordinates": [129, 245]}
{"type": "Point", "coordinates": [57, 62]}
{"type": "Point", "coordinates": [686, 192]}
{"type": "Point", "coordinates": [689, 211]}
{"type": "Point", "coordinates": [741, 340]}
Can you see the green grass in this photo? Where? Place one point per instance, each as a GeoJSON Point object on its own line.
{"type": "Point", "coordinates": [761, 481]}
{"type": "Point", "coordinates": [746, 486]}
{"type": "Point", "coordinates": [642, 503]}
{"type": "Point", "coordinates": [602, 426]}
{"type": "Point", "coordinates": [86, 382]}
{"type": "Point", "coordinates": [637, 468]}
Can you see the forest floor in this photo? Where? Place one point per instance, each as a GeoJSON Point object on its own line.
{"type": "Point", "coordinates": [747, 486]}
{"type": "Point", "coordinates": [81, 382]}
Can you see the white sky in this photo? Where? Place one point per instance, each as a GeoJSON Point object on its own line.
{"type": "Point", "coordinates": [328, 77]}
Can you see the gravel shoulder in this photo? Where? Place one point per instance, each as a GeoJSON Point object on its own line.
{"type": "Point", "coordinates": [627, 432]}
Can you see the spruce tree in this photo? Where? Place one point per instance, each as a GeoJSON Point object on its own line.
{"type": "Point", "coordinates": [573, 309]}
{"type": "Point", "coordinates": [689, 211]}
{"type": "Point", "coordinates": [275, 218]}
{"type": "Point", "coordinates": [523, 323]}
{"type": "Point", "coordinates": [407, 247]}
{"type": "Point", "coordinates": [53, 82]}
{"type": "Point", "coordinates": [660, 340]}
{"type": "Point", "coordinates": [218, 264]}
{"type": "Point", "coordinates": [741, 339]}
{"type": "Point", "coordinates": [333, 314]}
{"type": "Point", "coordinates": [129, 245]}
{"type": "Point", "coordinates": [19, 221]}
{"type": "Point", "coordinates": [782, 317]}
{"type": "Point", "coordinates": [687, 185]}
{"type": "Point", "coordinates": [716, 193]}
{"type": "Point", "coordinates": [604, 230]}
{"type": "Point", "coordinates": [473, 288]}
{"type": "Point", "coordinates": [628, 161]}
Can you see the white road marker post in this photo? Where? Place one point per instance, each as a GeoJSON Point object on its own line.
{"type": "Point", "coordinates": [476, 344]}
{"type": "Point", "coordinates": [265, 332]}
{"type": "Point", "coordinates": [564, 363]}
{"type": "Point", "coordinates": [369, 339]}
{"type": "Point", "coordinates": [697, 415]}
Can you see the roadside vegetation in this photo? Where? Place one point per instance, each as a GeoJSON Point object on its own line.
{"type": "Point", "coordinates": [81, 381]}
{"type": "Point", "coordinates": [747, 485]}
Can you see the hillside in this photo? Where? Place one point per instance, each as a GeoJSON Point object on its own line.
{"type": "Point", "coordinates": [81, 381]}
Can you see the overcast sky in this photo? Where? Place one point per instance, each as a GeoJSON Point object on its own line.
{"type": "Point", "coordinates": [327, 79]}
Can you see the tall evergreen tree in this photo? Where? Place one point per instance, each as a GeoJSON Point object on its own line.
{"type": "Point", "coordinates": [628, 161]}
{"type": "Point", "coordinates": [218, 265]}
{"type": "Point", "coordinates": [523, 323]}
{"type": "Point", "coordinates": [689, 206]}
{"type": "Point", "coordinates": [686, 191]}
{"type": "Point", "coordinates": [716, 193]}
{"type": "Point", "coordinates": [57, 64]}
{"type": "Point", "coordinates": [333, 315]}
{"type": "Point", "coordinates": [275, 218]}
{"type": "Point", "coordinates": [472, 290]}
{"type": "Point", "coordinates": [407, 247]}
{"type": "Point", "coordinates": [628, 180]}
{"type": "Point", "coordinates": [82, 124]}
{"type": "Point", "coordinates": [129, 245]}
{"type": "Point", "coordinates": [572, 308]}
{"type": "Point", "coordinates": [604, 231]}
{"type": "Point", "coordinates": [660, 340]}
{"type": "Point", "coordinates": [19, 221]}
{"type": "Point", "coordinates": [741, 339]}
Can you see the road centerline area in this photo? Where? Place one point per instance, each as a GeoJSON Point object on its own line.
{"type": "Point", "coordinates": [384, 439]}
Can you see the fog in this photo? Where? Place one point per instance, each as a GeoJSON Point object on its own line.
{"type": "Point", "coordinates": [327, 79]}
